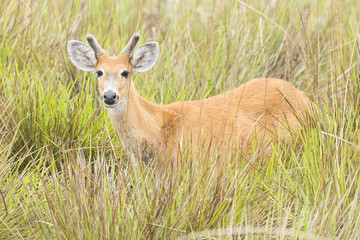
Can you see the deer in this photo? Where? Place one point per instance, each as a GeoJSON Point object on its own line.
{"type": "Point", "coordinates": [264, 110]}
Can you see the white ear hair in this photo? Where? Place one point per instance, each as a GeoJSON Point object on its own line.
{"type": "Point", "coordinates": [145, 56]}
{"type": "Point", "coordinates": [81, 55]}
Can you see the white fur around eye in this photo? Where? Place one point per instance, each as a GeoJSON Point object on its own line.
{"type": "Point", "coordinates": [99, 74]}
{"type": "Point", "coordinates": [145, 56]}
{"type": "Point", "coordinates": [125, 74]}
{"type": "Point", "coordinates": [81, 55]}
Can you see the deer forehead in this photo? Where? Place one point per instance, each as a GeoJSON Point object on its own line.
{"type": "Point", "coordinates": [114, 64]}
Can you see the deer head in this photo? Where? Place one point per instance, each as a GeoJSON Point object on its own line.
{"type": "Point", "coordinates": [114, 74]}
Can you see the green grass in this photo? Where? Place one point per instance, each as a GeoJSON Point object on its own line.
{"type": "Point", "coordinates": [63, 173]}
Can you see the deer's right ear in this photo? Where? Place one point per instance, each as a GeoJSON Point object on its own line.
{"type": "Point", "coordinates": [81, 55]}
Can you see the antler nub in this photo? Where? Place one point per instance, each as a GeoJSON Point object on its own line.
{"type": "Point", "coordinates": [131, 44]}
{"type": "Point", "coordinates": [95, 45]}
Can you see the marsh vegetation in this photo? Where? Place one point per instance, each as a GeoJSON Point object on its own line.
{"type": "Point", "coordinates": [64, 175]}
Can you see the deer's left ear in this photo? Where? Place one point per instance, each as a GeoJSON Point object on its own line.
{"type": "Point", "coordinates": [81, 55]}
{"type": "Point", "coordinates": [145, 56]}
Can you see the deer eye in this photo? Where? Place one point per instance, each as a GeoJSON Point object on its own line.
{"type": "Point", "coordinates": [125, 74]}
{"type": "Point", "coordinates": [99, 74]}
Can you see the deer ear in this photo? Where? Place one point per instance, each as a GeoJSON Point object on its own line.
{"type": "Point", "coordinates": [81, 55]}
{"type": "Point", "coordinates": [145, 56]}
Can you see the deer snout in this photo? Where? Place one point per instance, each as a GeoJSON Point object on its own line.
{"type": "Point", "coordinates": [110, 98]}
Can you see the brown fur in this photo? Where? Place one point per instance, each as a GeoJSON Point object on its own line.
{"type": "Point", "coordinates": [266, 109]}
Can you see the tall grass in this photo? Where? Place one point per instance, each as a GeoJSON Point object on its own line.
{"type": "Point", "coordinates": [64, 175]}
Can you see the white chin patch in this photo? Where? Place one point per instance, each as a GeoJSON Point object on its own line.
{"type": "Point", "coordinates": [117, 108]}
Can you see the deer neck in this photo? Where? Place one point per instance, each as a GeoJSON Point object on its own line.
{"type": "Point", "coordinates": [137, 121]}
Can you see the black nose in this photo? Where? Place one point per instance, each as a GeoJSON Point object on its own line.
{"type": "Point", "coordinates": [109, 97]}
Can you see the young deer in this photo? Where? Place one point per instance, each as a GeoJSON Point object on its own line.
{"type": "Point", "coordinates": [264, 109]}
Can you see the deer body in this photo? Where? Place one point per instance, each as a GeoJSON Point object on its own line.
{"type": "Point", "coordinates": [266, 109]}
{"type": "Point", "coordinates": [234, 116]}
